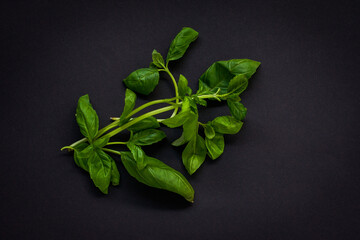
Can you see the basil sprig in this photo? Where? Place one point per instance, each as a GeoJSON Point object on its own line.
{"type": "Point", "coordinates": [222, 81]}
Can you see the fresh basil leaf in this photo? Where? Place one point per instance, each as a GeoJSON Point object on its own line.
{"type": "Point", "coordinates": [87, 118]}
{"type": "Point", "coordinates": [81, 155]}
{"type": "Point", "coordinates": [143, 80]}
{"type": "Point", "coordinates": [184, 89]}
{"type": "Point", "coordinates": [158, 175]}
{"type": "Point", "coordinates": [200, 101]}
{"type": "Point", "coordinates": [115, 175]}
{"type": "Point", "coordinates": [100, 169]}
{"type": "Point", "coordinates": [146, 123]}
{"type": "Point", "coordinates": [219, 74]}
{"type": "Point", "coordinates": [130, 98]}
{"type": "Point", "coordinates": [158, 59]}
{"type": "Point", "coordinates": [178, 120]}
{"type": "Point", "coordinates": [194, 154]}
{"type": "Point", "coordinates": [147, 137]}
{"type": "Point", "coordinates": [189, 105]}
{"type": "Point", "coordinates": [215, 146]}
{"type": "Point", "coordinates": [181, 43]}
{"type": "Point", "coordinates": [209, 131]}
{"type": "Point", "coordinates": [190, 127]}
{"type": "Point", "coordinates": [138, 154]}
{"type": "Point", "coordinates": [101, 142]}
{"type": "Point", "coordinates": [238, 84]}
{"type": "Point", "coordinates": [226, 125]}
{"type": "Point", "coordinates": [180, 141]}
{"type": "Point", "coordinates": [237, 109]}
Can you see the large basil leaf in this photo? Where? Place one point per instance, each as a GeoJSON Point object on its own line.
{"type": "Point", "coordinates": [87, 118]}
{"type": "Point", "coordinates": [147, 137]}
{"type": "Point", "coordinates": [219, 74]}
{"type": "Point", "coordinates": [100, 166]}
{"type": "Point", "coordinates": [237, 109]}
{"type": "Point", "coordinates": [226, 125]}
{"type": "Point", "coordinates": [130, 98]}
{"type": "Point", "coordinates": [194, 154]}
{"type": "Point", "coordinates": [146, 123]}
{"type": "Point", "coordinates": [159, 175]}
{"type": "Point", "coordinates": [181, 43]}
{"type": "Point", "coordinates": [184, 89]}
{"type": "Point", "coordinates": [215, 146]}
{"type": "Point", "coordinates": [158, 60]}
{"type": "Point", "coordinates": [143, 80]}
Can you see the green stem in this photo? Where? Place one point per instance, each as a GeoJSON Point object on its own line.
{"type": "Point", "coordinates": [115, 143]}
{"type": "Point", "coordinates": [138, 119]}
{"type": "Point", "coordinates": [111, 151]}
{"type": "Point", "coordinates": [78, 142]}
{"type": "Point", "coordinates": [176, 89]}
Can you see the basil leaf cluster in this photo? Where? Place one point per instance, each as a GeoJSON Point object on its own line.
{"type": "Point", "coordinates": [222, 81]}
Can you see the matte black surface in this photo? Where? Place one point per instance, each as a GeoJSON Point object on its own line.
{"type": "Point", "coordinates": [291, 173]}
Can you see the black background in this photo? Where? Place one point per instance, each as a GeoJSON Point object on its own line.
{"type": "Point", "coordinates": [291, 173]}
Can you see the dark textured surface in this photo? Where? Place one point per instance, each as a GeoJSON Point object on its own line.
{"type": "Point", "coordinates": [291, 173]}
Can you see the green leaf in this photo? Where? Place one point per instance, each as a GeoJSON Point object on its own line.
{"type": "Point", "coordinates": [115, 175]}
{"type": "Point", "coordinates": [101, 142]}
{"type": "Point", "coordinates": [143, 80]}
{"type": "Point", "coordinates": [226, 125]}
{"type": "Point", "coordinates": [194, 154]}
{"type": "Point", "coordinates": [130, 98]}
{"type": "Point", "coordinates": [158, 175]}
{"type": "Point", "coordinates": [138, 155]}
{"type": "Point", "coordinates": [146, 123]}
{"type": "Point", "coordinates": [100, 167]}
{"type": "Point", "coordinates": [219, 74]}
{"type": "Point", "coordinates": [237, 109]}
{"type": "Point", "coordinates": [209, 131]}
{"type": "Point", "coordinates": [87, 118]}
{"type": "Point", "coordinates": [148, 137]}
{"type": "Point", "coordinates": [184, 89]}
{"type": "Point", "coordinates": [200, 101]}
{"type": "Point", "coordinates": [215, 146]}
{"type": "Point", "coordinates": [158, 60]}
{"type": "Point", "coordinates": [81, 155]}
{"type": "Point", "coordinates": [190, 127]}
{"type": "Point", "coordinates": [181, 43]}
{"type": "Point", "coordinates": [238, 84]}
{"type": "Point", "coordinates": [178, 120]}
{"type": "Point", "coordinates": [180, 141]}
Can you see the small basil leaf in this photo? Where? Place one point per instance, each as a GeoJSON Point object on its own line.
{"type": "Point", "coordinates": [158, 175]}
{"type": "Point", "coordinates": [200, 101]}
{"type": "Point", "coordinates": [219, 74]}
{"type": "Point", "coordinates": [194, 154]}
{"type": "Point", "coordinates": [147, 137]}
{"type": "Point", "coordinates": [146, 123]}
{"type": "Point", "coordinates": [115, 175]}
{"type": "Point", "coordinates": [184, 89]}
{"type": "Point", "coordinates": [101, 142]}
{"type": "Point", "coordinates": [181, 43]}
{"type": "Point", "coordinates": [189, 105]}
{"type": "Point", "coordinates": [82, 154]}
{"type": "Point", "coordinates": [130, 98]}
{"type": "Point", "coordinates": [226, 125]}
{"type": "Point", "coordinates": [215, 146]}
{"type": "Point", "coordinates": [138, 155]}
{"type": "Point", "coordinates": [238, 84]}
{"type": "Point", "coordinates": [190, 127]}
{"type": "Point", "coordinates": [87, 118]}
{"type": "Point", "coordinates": [237, 109]}
{"type": "Point", "coordinates": [100, 169]}
{"type": "Point", "coordinates": [209, 131]}
{"type": "Point", "coordinates": [180, 141]}
{"type": "Point", "coordinates": [178, 120]}
{"type": "Point", "coordinates": [158, 59]}
{"type": "Point", "coordinates": [143, 80]}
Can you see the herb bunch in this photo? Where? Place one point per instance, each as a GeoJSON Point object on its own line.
{"type": "Point", "coordinates": [222, 81]}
